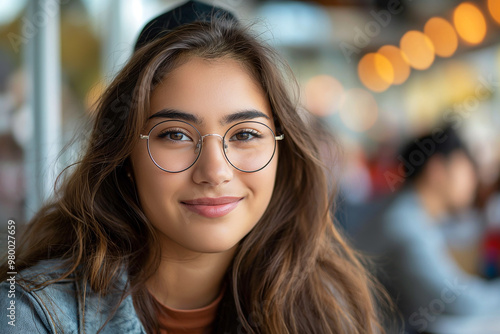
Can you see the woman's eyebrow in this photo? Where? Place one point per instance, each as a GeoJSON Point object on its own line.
{"type": "Point", "coordinates": [176, 114]}
{"type": "Point", "coordinates": [243, 115]}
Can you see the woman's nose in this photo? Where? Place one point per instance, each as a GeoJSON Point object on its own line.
{"type": "Point", "coordinates": [212, 166]}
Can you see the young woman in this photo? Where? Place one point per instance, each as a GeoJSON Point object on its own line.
{"type": "Point", "coordinates": [199, 206]}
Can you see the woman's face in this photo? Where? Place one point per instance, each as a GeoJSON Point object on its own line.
{"type": "Point", "coordinates": [211, 206]}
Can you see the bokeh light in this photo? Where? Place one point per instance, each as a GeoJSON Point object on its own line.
{"type": "Point", "coordinates": [442, 35]}
{"type": "Point", "coordinates": [323, 94]}
{"type": "Point", "coordinates": [418, 49]}
{"type": "Point", "coordinates": [398, 61]}
{"type": "Point", "coordinates": [470, 23]}
{"type": "Point", "coordinates": [494, 8]}
{"type": "Point", "coordinates": [375, 72]}
{"type": "Point", "coordinates": [358, 110]}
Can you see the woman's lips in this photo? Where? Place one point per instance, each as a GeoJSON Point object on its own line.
{"type": "Point", "coordinates": [212, 207]}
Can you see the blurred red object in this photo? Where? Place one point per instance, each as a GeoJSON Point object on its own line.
{"type": "Point", "coordinates": [492, 254]}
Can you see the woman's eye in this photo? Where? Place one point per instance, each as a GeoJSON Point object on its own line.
{"type": "Point", "coordinates": [245, 135]}
{"type": "Point", "coordinates": [174, 136]}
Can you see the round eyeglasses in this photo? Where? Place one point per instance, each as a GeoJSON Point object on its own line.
{"type": "Point", "coordinates": [175, 145]}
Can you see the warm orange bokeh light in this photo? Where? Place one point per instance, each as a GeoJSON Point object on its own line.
{"type": "Point", "coordinates": [418, 49]}
{"type": "Point", "coordinates": [358, 110]}
{"type": "Point", "coordinates": [442, 35]}
{"type": "Point", "coordinates": [399, 63]}
{"type": "Point", "coordinates": [494, 8]}
{"type": "Point", "coordinates": [375, 72]}
{"type": "Point", "coordinates": [323, 94]}
{"type": "Point", "coordinates": [470, 23]}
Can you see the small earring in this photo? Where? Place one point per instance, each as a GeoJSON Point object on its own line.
{"type": "Point", "coordinates": [129, 175]}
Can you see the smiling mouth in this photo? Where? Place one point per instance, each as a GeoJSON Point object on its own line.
{"type": "Point", "coordinates": [212, 207]}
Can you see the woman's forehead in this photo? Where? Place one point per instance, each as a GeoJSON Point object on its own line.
{"type": "Point", "coordinates": [208, 89]}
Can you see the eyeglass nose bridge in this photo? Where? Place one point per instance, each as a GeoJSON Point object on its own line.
{"type": "Point", "coordinates": [200, 142]}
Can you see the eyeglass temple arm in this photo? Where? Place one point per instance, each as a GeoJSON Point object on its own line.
{"type": "Point", "coordinates": [143, 136]}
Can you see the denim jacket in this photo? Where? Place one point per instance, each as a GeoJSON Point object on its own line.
{"type": "Point", "coordinates": [59, 307]}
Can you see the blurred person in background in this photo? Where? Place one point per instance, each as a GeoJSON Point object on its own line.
{"type": "Point", "coordinates": [409, 251]}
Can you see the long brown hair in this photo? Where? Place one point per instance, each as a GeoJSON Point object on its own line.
{"type": "Point", "coordinates": [293, 273]}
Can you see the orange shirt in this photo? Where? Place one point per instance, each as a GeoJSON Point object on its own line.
{"type": "Point", "coordinates": [198, 321]}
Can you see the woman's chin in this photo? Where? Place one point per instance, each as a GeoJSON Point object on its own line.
{"type": "Point", "coordinates": [211, 247]}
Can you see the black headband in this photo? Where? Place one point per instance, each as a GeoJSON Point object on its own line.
{"type": "Point", "coordinates": [191, 11]}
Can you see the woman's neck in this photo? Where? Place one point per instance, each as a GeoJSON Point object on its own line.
{"type": "Point", "coordinates": [188, 280]}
